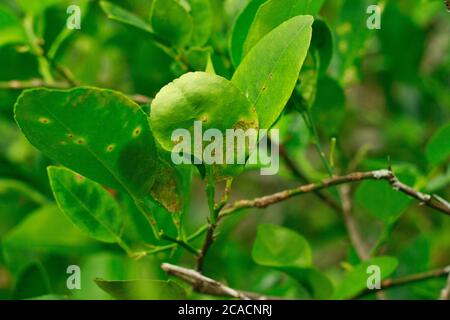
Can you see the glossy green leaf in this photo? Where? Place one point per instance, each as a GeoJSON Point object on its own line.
{"type": "Point", "coordinates": [381, 200]}
{"type": "Point", "coordinates": [276, 246]}
{"type": "Point", "coordinates": [171, 22]}
{"type": "Point", "coordinates": [87, 204]}
{"type": "Point", "coordinates": [438, 148]}
{"type": "Point", "coordinates": [117, 13]}
{"type": "Point", "coordinates": [287, 251]}
{"type": "Point", "coordinates": [210, 100]}
{"type": "Point", "coordinates": [355, 281]}
{"type": "Point", "coordinates": [273, 13]}
{"type": "Point", "coordinates": [64, 125]}
{"type": "Point", "coordinates": [201, 13]}
{"type": "Point", "coordinates": [11, 31]}
{"type": "Point", "coordinates": [240, 30]}
{"type": "Point", "coordinates": [142, 289]}
{"type": "Point", "coordinates": [269, 72]}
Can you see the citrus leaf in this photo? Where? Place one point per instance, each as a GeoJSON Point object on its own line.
{"type": "Point", "coordinates": [269, 72]}
{"type": "Point", "coordinates": [355, 281]}
{"type": "Point", "coordinates": [87, 204]}
{"type": "Point", "coordinates": [210, 100]}
{"type": "Point", "coordinates": [276, 246]}
{"type": "Point", "coordinates": [273, 13]}
{"type": "Point", "coordinates": [171, 22]}
{"type": "Point", "coordinates": [64, 125]}
{"type": "Point", "coordinates": [240, 30]}
{"type": "Point", "coordinates": [287, 251]}
{"type": "Point", "coordinates": [119, 14]}
{"type": "Point", "coordinates": [201, 13]}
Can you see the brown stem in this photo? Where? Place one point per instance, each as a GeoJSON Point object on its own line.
{"type": "Point", "coordinates": [409, 279]}
{"type": "Point", "coordinates": [204, 285]}
{"type": "Point", "coordinates": [352, 227]}
{"type": "Point", "coordinates": [434, 202]}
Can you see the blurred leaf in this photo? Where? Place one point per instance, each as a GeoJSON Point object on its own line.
{"type": "Point", "coordinates": [276, 246]}
{"type": "Point", "coordinates": [201, 17]}
{"type": "Point", "coordinates": [11, 30]}
{"type": "Point", "coordinates": [438, 148]}
{"type": "Point", "coordinates": [64, 126]}
{"type": "Point", "coordinates": [351, 34]}
{"type": "Point", "coordinates": [212, 100]}
{"type": "Point", "coordinates": [328, 110]}
{"type": "Point", "coordinates": [32, 282]}
{"type": "Point", "coordinates": [198, 58]}
{"type": "Point", "coordinates": [240, 30]}
{"type": "Point", "coordinates": [403, 53]}
{"type": "Point", "coordinates": [355, 281]}
{"type": "Point", "coordinates": [287, 251]}
{"type": "Point", "coordinates": [273, 13]}
{"type": "Point", "coordinates": [381, 200]}
{"type": "Point", "coordinates": [115, 12]}
{"type": "Point", "coordinates": [90, 207]}
{"type": "Point", "coordinates": [37, 7]}
{"type": "Point", "coordinates": [142, 289]}
{"type": "Point", "coordinates": [268, 74]}
{"type": "Point", "coordinates": [322, 43]}
{"type": "Point", "coordinates": [46, 231]}
{"type": "Point", "coordinates": [16, 201]}
{"type": "Point", "coordinates": [171, 22]}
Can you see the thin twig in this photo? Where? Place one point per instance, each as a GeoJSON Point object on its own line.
{"type": "Point", "coordinates": [409, 279]}
{"type": "Point", "coordinates": [212, 225]}
{"type": "Point", "coordinates": [205, 285]}
{"type": "Point", "coordinates": [352, 227]}
{"type": "Point", "coordinates": [434, 202]}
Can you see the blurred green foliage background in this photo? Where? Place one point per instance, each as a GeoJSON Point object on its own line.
{"type": "Point", "coordinates": [384, 96]}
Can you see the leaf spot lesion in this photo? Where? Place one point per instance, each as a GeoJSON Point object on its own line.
{"type": "Point", "coordinates": [137, 132]}
{"type": "Point", "coordinates": [110, 148]}
{"type": "Point", "coordinates": [44, 120]}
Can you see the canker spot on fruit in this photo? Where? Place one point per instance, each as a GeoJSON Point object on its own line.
{"type": "Point", "coordinates": [110, 147]}
{"type": "Point", "coordinates": [44, 120]}
{"type": "Point", "coordinates": [137, 132]}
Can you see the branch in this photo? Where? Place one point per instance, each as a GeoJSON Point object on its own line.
{"type": "Point", "coordinates": [387, 175]}
{"type": "Point", "coordinates": [352, 227]}
{"type": "Point", "coordinates": [410, 279]}
{"type": "Point", "coordinates": [204, 285]}
{"type": "Point", "coordinates": [212, 225]}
